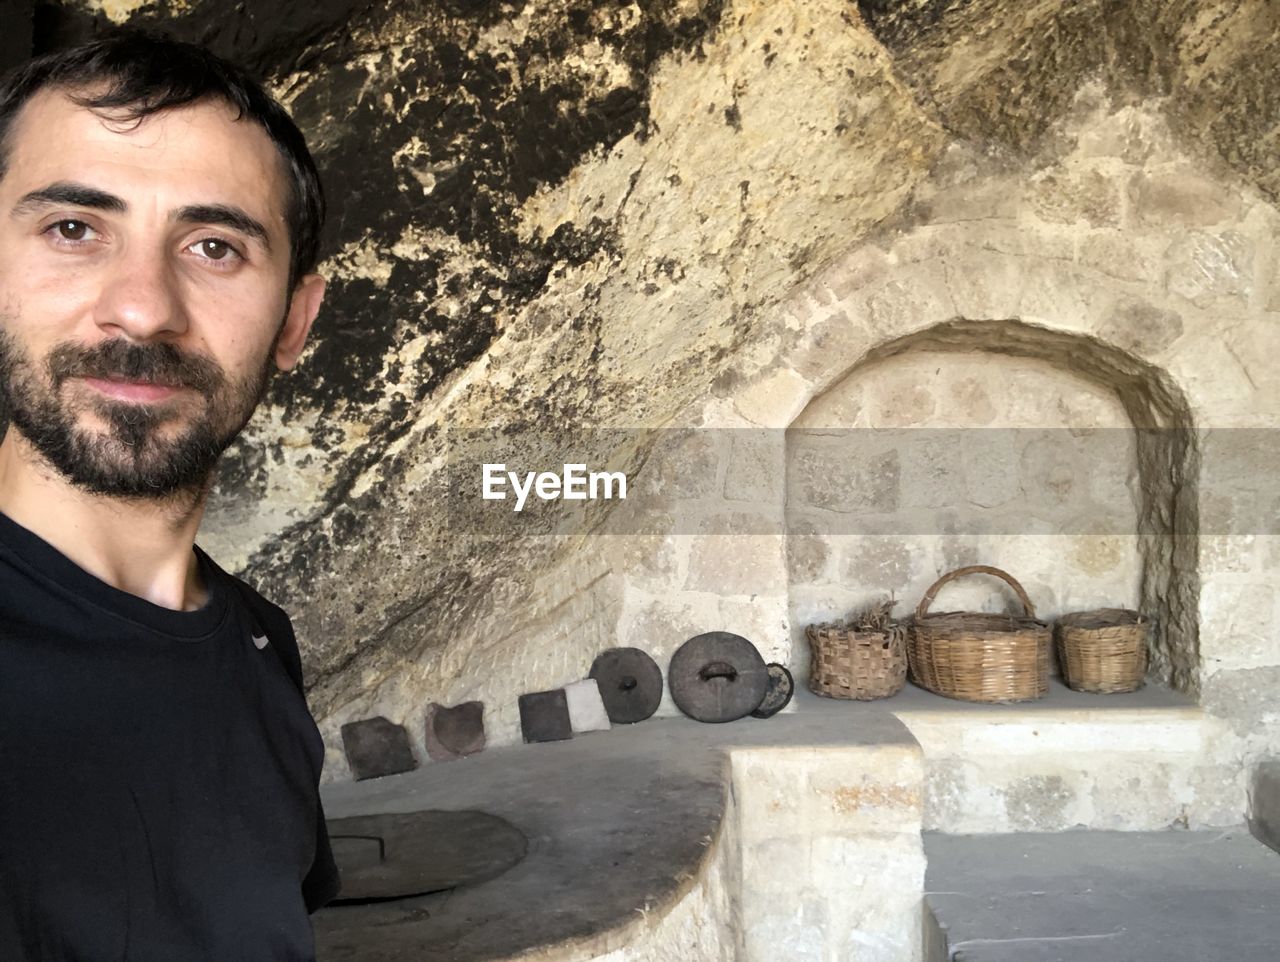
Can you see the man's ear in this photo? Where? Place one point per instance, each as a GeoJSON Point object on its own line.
{"type": "Point", "coordinates": [303, 309]}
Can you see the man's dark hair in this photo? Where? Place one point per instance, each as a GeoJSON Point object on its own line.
{"type": "Point", "coordinates": [137, 74]}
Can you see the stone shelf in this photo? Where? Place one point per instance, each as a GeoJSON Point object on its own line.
{"type": "Point", "coordinates": [1141, 761]}
{"type": "Point", "coordinates": [915, 700]}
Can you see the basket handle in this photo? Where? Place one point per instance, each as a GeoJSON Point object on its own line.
{"type": "Point", "coordinates": [923, 608]}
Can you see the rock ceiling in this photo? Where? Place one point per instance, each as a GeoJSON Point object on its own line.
{"type": "Point", "coordinates": [555, 214]}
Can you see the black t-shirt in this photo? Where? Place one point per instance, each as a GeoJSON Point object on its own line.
{"type": "Point", "coordinates": [159, 772]}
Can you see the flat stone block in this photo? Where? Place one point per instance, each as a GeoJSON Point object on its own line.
{"type": "Point", "coordinates": [915, 295]}
{"type": "Point", "coordinates": [377, 747]}
{"type": "Point", "coordinates": [455, 732]}
{"type": "Point", "coordinates": [1069, 197]}
{"type": "Point", "coordinates": [544, 716]}
{"type": "Point", "coordinates": [865, 791]}
{"type": "Point", "coordinates": [736, 564]}
{"type": "Point", "coordinates": [1104, 897]}
{"type": "Point", "coordinates": [586, 707]}
{"type": "Point", "coordinates": [985, 285]}
{"type": "Point", "coordinates": [1183, 198]}
{"type": "Point", "coordinates": [1264, 804]}
{"type": "Point", "coordinates": [775, 400]}
{"type": "Point", "coordinates": [1202, 265]}
{"type": "Point", "coordinates": [756, 470]}
{"type": "Point", "coordinates": [832, 479]}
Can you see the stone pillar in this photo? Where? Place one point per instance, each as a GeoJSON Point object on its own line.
{"type": "Point", "coordinates": [832, 861]}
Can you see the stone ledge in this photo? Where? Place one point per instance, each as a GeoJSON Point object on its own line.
{"type": "Point", "coordinates": [677, 841]}
{"type": "Point", "coordinates": [640, 849]}
{"type": "Point", "coordinates": [1142, 761]}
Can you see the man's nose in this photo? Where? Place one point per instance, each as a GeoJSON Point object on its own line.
{"type": "Point", "coordinates": [140, 298]}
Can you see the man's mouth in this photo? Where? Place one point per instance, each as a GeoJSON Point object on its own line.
{"type": "Point", "coordinates": [141, 392]}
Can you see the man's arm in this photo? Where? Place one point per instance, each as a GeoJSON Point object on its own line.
{"type": "Point", "coordinates": [322, 881]}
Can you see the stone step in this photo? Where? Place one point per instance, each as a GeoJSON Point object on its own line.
{"type": "Point", "coordinates": [1264, 803]}
{"type": "Point", "coordinates": [1092, 896]}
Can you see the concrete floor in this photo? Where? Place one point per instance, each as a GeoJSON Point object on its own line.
{"type": "Point", "coordinates": [1102, 897]}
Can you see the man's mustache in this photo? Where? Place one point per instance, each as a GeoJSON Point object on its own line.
{"type": "Point", "coordinates": [123, 360]}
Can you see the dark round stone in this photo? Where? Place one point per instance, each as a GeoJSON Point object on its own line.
{"type": "Point", "coordinates": [717, 677]}
{"type": "Point", "coordinates": [630, 684]}
{"type": "Point", "coordinates": [414, 853]}
{"type": "Point", "coordinates": [781, 687]}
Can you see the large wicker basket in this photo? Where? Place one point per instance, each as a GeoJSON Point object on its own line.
{"type": "Point", "coordinates": [862, 664]}
{"type": "Point", "coordinates": [980, 657]}
{"type": "Point", "coordinates": [1103, 651]}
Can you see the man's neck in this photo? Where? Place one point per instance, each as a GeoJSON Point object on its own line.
{"type": "Point", "coordinates": [140, 546]}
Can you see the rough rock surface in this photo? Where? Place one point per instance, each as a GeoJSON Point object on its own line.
{"type": "Point", "coordinates": [556, 214]}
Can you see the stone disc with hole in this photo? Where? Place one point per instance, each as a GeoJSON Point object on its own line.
{"type": "Point", "coordinates": [399, 855]}
{"type": "Point", "coordinates": [630, 684]}
{"type": "Point", "coordinates": [717, 677]}
{"type": "Point", "coordinates": [781, 687]}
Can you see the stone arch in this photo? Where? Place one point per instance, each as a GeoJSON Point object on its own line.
{"type": "Point", "coordinates": [1167, 455]}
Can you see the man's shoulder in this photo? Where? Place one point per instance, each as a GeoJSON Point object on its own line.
{"type": "Point", "coordinates": [248, 594]}
{"type": "Point", "coordinates": [270, 619]}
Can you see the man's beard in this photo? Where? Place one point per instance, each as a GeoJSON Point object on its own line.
{"type": "Point", "coordinates": [129, 458]}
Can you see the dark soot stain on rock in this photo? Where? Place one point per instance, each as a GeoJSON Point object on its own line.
{"type": "Point", "coordinates": [488, 144]}
{"type": "Point", "coordinates": [266, 38]}
{"type": "Point", "coordinates": [494, 126]}
{"type": "Point", "coordinates": [897, 24]}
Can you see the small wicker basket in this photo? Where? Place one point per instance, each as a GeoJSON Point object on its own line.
{"type": "Point", "coordinates": [980, 657]}
{"type": "Point", "coordinates": [1103, 651]}
{"type": "Point", "coordinates": [858, 661]}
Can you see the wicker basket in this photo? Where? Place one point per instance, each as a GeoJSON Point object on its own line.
{"type": "Point", "coordinates": [980, 657]}
{"type": "Point", "coordinates": [1103, 651]}
{"type": "Point", "coordinates": [862, 664]}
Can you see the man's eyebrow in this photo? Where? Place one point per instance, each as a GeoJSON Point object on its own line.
{"type": "Point", "coordinates": [73, 195]}
{"type": "Point", "coordinates": [224, 215]}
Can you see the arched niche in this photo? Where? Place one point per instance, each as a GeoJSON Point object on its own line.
{"type": "Point", "coordinates": [1158, 439]}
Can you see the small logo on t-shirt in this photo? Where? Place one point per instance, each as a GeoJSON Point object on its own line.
{"type": "Point", "coordinates": [259, 642]}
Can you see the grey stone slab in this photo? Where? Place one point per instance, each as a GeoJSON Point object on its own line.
{"type": "Point", "coordinates": [393, 855]}
{"type": "Point", "coordinates": [376, 747]}
{"type": "Point", "coordinates": [544, 716]}
{"type": "Point", "coordinates": [454, 732]}
{"type": "Point", "coordinates": [1104, 897]}
{"type": "Point", "coordinates": [1264, 804]}
{"type": "Point", "coordinates": [586, 708]}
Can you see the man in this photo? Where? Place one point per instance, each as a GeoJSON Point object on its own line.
{"type": "Point", "coordinates": [159, 768]}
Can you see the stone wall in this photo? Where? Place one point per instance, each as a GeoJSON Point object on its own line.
{"type": "Point", "coordinates": [1131, 322]}
{"type": "Point", "coordinates": [704, 215]}
{"type": "Point", "coordinates": [959, 459]}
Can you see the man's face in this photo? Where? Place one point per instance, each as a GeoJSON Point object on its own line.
{"type": "Point", "coordinates": [143, 289]}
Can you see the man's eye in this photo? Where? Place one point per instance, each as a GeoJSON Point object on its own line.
{"type": "Point", "coordinates": [72, 230]}
{"type": "Point", "coordinates": [214, 249]}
